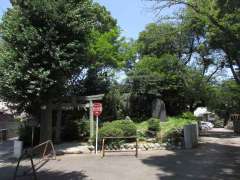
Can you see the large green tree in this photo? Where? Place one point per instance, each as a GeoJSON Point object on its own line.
{"type": "Point", "coordinates": [225, 98]}
{"type": "Point", "coordinates": [162, 77]}
{"type": "Point", "coordinates": [46, 44]}
{"type": "Point", "coordinates": [220, 20]}
{"type": "Point", "coordinates": [162, 38]}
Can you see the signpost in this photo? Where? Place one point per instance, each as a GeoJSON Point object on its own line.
{"type": "Point", "coordinates": [97, 110]}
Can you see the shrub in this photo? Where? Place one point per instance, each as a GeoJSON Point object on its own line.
{"type": "Point", "coordinates": [188, 115]}
{"type": "Point", "coordinates": [142, 130]}
{"type": "Point", "coordinates": [127, 126]}
{"type": "Point", "coordinates": [110, 131]}
{"type": "Point", "coordinates": [173, 128]}
{"type": "Point", "coordinates": [118, 128]}
{"type": "Point", "coordinates": [84, 129]}
{"type": "Point", "coordinates": [154, 124]}
{"type": "Point", "coordinates": [153, 127]}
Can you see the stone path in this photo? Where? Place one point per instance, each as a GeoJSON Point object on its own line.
{"type": "Point", "coordinates": [216, 158]}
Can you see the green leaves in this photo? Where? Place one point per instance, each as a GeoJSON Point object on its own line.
{"type": "Point", "coordinates": [46, 43]}
{"type": "Point", "coordinates": [104, 48]}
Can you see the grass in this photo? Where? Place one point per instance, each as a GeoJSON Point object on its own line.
{"type": "Point", "coordinates": [142, 127]}
{"type": "Point", "coordinates": [174, 124]}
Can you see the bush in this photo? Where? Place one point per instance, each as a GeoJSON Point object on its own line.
{"type": "Point", "coordinates": [153, 124]}
{"type": "Point", "coordinates": [127, 126]}
{"type": "Point", "coordinates": [173, 129]}
{"type": "Point", "coordinates": [188, 115]}
{"type": "Point", "coordinates": [110, 131]}
{"type": "Point", "coordinates": [84, 129]}
{"type": "Point", "coordinates": [118, 128]}
{"type": "Point", "coordinates": [153, 127]}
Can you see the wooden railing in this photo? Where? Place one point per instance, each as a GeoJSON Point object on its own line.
{"type": "Point", "coordinates": [130, 137]}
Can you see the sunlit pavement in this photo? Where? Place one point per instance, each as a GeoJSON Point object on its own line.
{"type": "Point", "coordinates": [216, 158]}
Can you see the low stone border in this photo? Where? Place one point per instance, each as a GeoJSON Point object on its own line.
{"type": "Point", "coordinates": [84, 148]}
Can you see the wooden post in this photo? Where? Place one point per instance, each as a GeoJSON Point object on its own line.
{"type": "Point", "coordinates": [136, 147]}
{"type": "Point", "coordinates": [103, 147]}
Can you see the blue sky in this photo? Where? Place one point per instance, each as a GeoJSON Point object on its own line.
{"type": "Point", "coordinates": [132, 15]}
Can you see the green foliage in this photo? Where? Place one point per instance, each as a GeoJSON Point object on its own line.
{"type": "Point", "coordinates": [164, 38]}
{"type": "Point", "coordinates": [162, 70]}
{"type": "Point", "coordinates": [189, 116]}
{"type": "Point", "coordinates": [142, 130]}
{"type": "Point", "coordinates": [104, 47]}
{"type": "Point", "coordinates": [47, 47]}
{"type": "Point", "coordinates": [142, 126]}
{"type": "Point", "coordinates": [113, 105]}
{"type": "Point", "coordinates": [118, 128]}
{"type": "Point", "coordinates": [225, 99]}
{"type": "Point", "coordinates": [197, 89]}
{"type": "Point", "coordinates": [154, 124]}
{"type": "Point", "coordinates": [217, 23]}
{"type": "Point", "coordinates": [84, 129]}
{"type": "Point", "coordinates": [153, 77]}
{"type": "Point", "coordinates": [173, 127]}
{"type": "Point", "coordinates": [110, 131]}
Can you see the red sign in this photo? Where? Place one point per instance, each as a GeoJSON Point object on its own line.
{"type": "Point", "coordinates": [97, 109]}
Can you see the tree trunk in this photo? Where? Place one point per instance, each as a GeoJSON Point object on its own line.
{"type": "Point", "coordinates": [46, 123]}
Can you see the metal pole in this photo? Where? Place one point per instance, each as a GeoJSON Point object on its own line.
{"type": "Point", "coordinates": [96, 147]}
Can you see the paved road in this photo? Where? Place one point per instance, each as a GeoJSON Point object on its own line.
{"type": "Point", "coordinates": [216, 158]}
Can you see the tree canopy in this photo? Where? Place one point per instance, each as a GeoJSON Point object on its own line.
{"type": "Point", "coordinates": [48, 45]}
{"type": "Point", "coordinates": [219, 21]}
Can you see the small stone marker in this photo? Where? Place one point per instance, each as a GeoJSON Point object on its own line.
{"type": "Point", "coordinates": [18, 146]}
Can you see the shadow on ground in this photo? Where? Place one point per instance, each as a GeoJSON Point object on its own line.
{"type": "Point", "coordinates": [57, 175]}
{"type": "Point", "coordinates": [25, 173]}
{"type": "Point", "coordinates": [209, 162]}
{"type": "Point", "coordinates": [215, 134]}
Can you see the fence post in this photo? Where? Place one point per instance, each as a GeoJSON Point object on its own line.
{"type": "Point", "coordinates": [136, 147]}
{"type": "Point", "coordinates": [103, 147]}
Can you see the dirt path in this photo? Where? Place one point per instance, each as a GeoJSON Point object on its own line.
{"type": "Point", "coordinates": [216, 158]}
